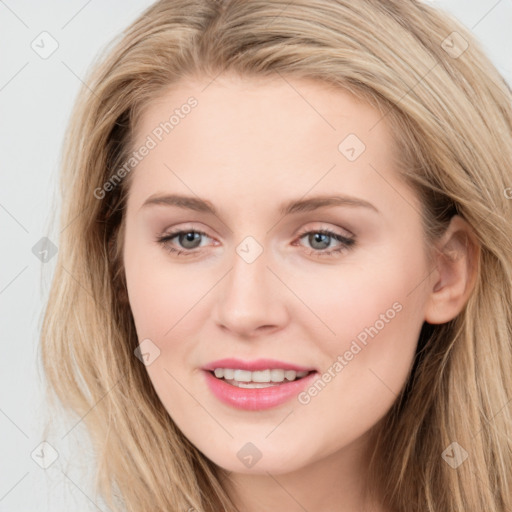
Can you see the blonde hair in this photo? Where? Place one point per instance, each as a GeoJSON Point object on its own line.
{"type": "Point", "coordinates": [450, 113]}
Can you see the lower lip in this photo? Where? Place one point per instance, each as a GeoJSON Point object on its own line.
{"type": "Point", "coordinates": [256, 399]}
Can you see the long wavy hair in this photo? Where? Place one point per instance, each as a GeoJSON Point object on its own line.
{"type": "Point", "coordinates": [450, 113]}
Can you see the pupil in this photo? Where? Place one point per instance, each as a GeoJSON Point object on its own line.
{"type": "Point", "coordinates": [189, 237]}
{"type": "Point", "coordinates": [317, 238]}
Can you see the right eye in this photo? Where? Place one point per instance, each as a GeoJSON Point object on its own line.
{"type": "Point", "coordinates": [186, 238]}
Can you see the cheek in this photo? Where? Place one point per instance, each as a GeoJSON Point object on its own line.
{"type": "Point", "coordinates": [366, 365]}
{"type": "Point", "coordinates": [160, 293]}
{"type": "Point", "coordinates": [368, 302]}
{"type": "Point", "coordinates": [162, 301]}
{"type": "Point", "coordinates": [374, 315]}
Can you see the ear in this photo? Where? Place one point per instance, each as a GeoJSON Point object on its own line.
{"type": "Point", "coordinates": [456, 257]}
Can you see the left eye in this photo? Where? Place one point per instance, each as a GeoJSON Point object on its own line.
{"type": "Point", "coordinates": [321, 236]}
{"type": "Point", "coordinates": [190, 240]}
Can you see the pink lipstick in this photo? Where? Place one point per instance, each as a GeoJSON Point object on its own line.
{"type": "Point", "coordinates": [256, 391]}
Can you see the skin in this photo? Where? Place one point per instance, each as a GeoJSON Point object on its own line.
{"type": "Point", "coordinates": [247, 147]}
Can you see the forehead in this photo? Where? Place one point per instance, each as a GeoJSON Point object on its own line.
{"type": "Point", "coordinates": [266, 107]}
{"type": "Point", "coordinates": [247, 133]}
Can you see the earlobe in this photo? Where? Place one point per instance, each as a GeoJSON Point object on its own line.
{"type": "Point", "coordinates": [457, 256]}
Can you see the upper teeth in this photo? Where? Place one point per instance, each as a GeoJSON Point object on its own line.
{"type": "Point", "coordinates": [258, 376]}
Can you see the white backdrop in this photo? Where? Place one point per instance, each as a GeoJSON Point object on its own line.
{"type": "Point", "coordinates": [47, 47]}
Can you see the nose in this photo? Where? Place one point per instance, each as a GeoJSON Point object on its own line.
{"type": "Point", "coordinates": [251, 300]}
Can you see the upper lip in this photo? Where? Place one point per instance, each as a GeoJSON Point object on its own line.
{"type": "Point", "coordinates": [255, 365]}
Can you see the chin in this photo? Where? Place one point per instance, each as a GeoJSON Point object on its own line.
{"type": "Point", "coordinates": [261, 463]}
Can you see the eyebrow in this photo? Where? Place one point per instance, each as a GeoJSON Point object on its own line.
{"type": "Point", "coordinates": [295, 206]}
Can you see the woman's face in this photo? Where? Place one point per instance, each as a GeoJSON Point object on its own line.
{"type": "Point", "coordinates": [267, 277]}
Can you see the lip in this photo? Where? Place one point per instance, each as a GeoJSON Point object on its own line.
{"type": "Point", "coordinates": [257, 364]}
{"type": "Point", "coordinates": [256, 399]}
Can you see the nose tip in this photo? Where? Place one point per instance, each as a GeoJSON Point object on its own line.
{"type": "Point", "coordinates": [249, 302]}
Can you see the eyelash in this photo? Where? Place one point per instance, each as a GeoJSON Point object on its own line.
{"type": "Point", "coordinates": [346, 243]}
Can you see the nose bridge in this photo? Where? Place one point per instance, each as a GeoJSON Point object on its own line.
{"type": "Point", "coordinates": [248, 280]}
{"type": "Point", "coordinates": [249, 298]}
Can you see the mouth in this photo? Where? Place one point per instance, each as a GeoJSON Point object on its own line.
{"type": "Point", "coordinates": [258, 379]}
{"type": "Point", "coordinates": [241, 389]}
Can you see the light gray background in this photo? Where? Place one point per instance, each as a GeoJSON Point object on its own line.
{"type": "Point", "coordinates": [36, 96]}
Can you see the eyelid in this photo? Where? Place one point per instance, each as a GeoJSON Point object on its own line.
{"type": "Point", "coordinates": [182, 228]}
{"type": "Point", "coordinates": [326, 227]}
